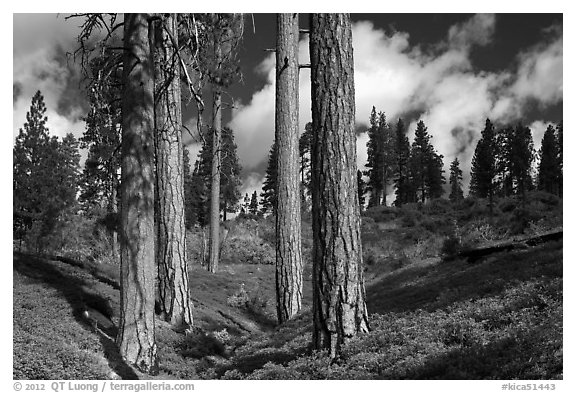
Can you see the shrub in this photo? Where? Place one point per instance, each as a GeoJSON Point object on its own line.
{"type": "Point", "coordinates": [197, 345]}
{"type": "Point", "coordinates": [507, 205]}
{"type": "Point", "coordinates": [255, 302]}
{"type": "Point", "coordinates": [479, 232]}
{"type": "Point", "coordinates": [381, 213]}
{"type": "Point", "coordinates": [223, 336]}
{"type": "Point", "coordinates": [410, 215]}
{"type": "Point", "coordinates": [544, 198]}
{"type": "Point", "coordinates": [239, 299]}
{"type": "Point", "coordinates": [440, 225]}
{"type": "Point", "coordinates": [438, 206]}
{"type": "Point", "coordinates": [80, 237]}
{"type": "Point", "coordinates": [247, 249]}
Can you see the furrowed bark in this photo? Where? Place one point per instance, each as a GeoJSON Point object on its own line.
{"type": "Point", "coordinates": [288, 231]}
{"type": "Point", "coordinates": [214, 255]}
{"type": "Point", "coordinates": [135, 338]}
{"type": "Point", "coordinates": [173, 288]}
{"type": "Point", "coordinates": [339, 306]}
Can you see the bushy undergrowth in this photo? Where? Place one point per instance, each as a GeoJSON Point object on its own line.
{"type": "Point", "coordinates": [501, 319]}
{"type": "Point", "coordinates": [80, 236]}
{"type": "Point", "coordinates": [246, 240]}
{"type": "Point", "coordinates": [442, 228]}
{"type": "Point", "coordinates": [50, 341]}
{"type": "Point", "coordinates": [247, 249]}
{"type": "Point", "coordinates": [513, 335]}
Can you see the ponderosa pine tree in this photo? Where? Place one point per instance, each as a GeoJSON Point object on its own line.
{"type": "Point", "coordinates": [426, 166]}
{"type": "Point", "coordinates": [199, 195]}
{"type": "Point", "coordinates": [230, 182]}
{"type": "Point", "coordinates": [45, 177]}
{"type": "Point", "coordinates": [484, 166]}
{"type": "Point", "coordinates": [189, 212]}
{"type": "Point", "coordinates": [435, 175]}
{"type": "Point", "coordinates": [505, 180]}
{"type": "Point", "coordinates": [253, 208]}
{"type": "Point", "coordinates": [68, 169]}
{"type": "Point", "coordinates": [229, 177]}
{"type": "Point", "coordinates": [456, 193]}
{"type": "Point", "coordinates": [522, 156]}
{"type": "Point", "coordinates": [224, 33]}
{"type": "Point", "coordinates": [100, 177]}
{"type": "Point", "coordinates": [268, 194]}
{"type": "Point", "coordinates": [62, 163]}
{"type": "Point", "coordinates": [381, 158]}
{"type": "Point", "coordinates": [216, 155]}
{"type": "Point", "coordinates": [549, 168]}
{"type": "Point", "coordinates": [339, 306]}
{"type": "Point", "coordinates": [136, 339]}
{"type": "Point", "coordinates": [288, 238]}
{"type": "Point", "coordinates": [402, 179]}
{"type": "Point", "coordinates": [387, 154]}
{"type": "Point", "coordinates": [171, 253]}
{"type": "Point", "coordinates": [29, 170]}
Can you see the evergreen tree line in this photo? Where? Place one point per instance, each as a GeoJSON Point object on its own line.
{"type": "Point", "coordinates": [503, 162]}
{"type": "Point", "coordinates": [47, 170]}
{"type": "Point", "coordinates": [415, 171]}
{"type": "Point", "coordinates": [503, 165]}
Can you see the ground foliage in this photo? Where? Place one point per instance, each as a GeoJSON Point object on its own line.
{"type": "Point", "coordinates": [430, 318]}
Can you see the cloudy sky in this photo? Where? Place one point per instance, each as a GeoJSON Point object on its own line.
{"type": "Point", "coordinates": [450, 70]}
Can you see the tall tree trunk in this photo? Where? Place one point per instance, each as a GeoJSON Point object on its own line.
{"type": "Point", "coordinates": [214, 256]}
{"type": "Point", "coordinates": [288, 238]}
{"type": "Point", "coordinates": [384, 184]}
{"type": "Point", "coordinates": [136, 328]}
{"type": "Point", "coordinates": [339, 306]}
{"type": "Point", "coordinates": [173, 289]}
{"type": "Point", "coordinates": [113, 209]}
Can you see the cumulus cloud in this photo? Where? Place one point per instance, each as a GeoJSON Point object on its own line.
{"type": "Point", "coordinates": [540, 75]}
{"type": "Point", "coordinates": [40, 64]}
{"type": "Point", "coordinates": [477, 30]}
{"type": "Point", "coordinates": [439, 83]}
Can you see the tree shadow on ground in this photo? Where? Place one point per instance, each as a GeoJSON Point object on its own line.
{"type": "Point", "coordinates": [535, 354]}
{"type": "Point", "coordinates": [436, 286]}
{"type": "Point", "coordinates": [76, 292]}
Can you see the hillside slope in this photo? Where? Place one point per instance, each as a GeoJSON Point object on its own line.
{"type": "Point", "coordinates": [501, 318]}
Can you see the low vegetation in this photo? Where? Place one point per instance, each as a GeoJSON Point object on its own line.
{"type": "Point", "coordinates": [430, 317]}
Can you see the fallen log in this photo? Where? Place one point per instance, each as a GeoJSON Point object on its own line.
{"type": "Point", "coordinates": [475, 254]}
